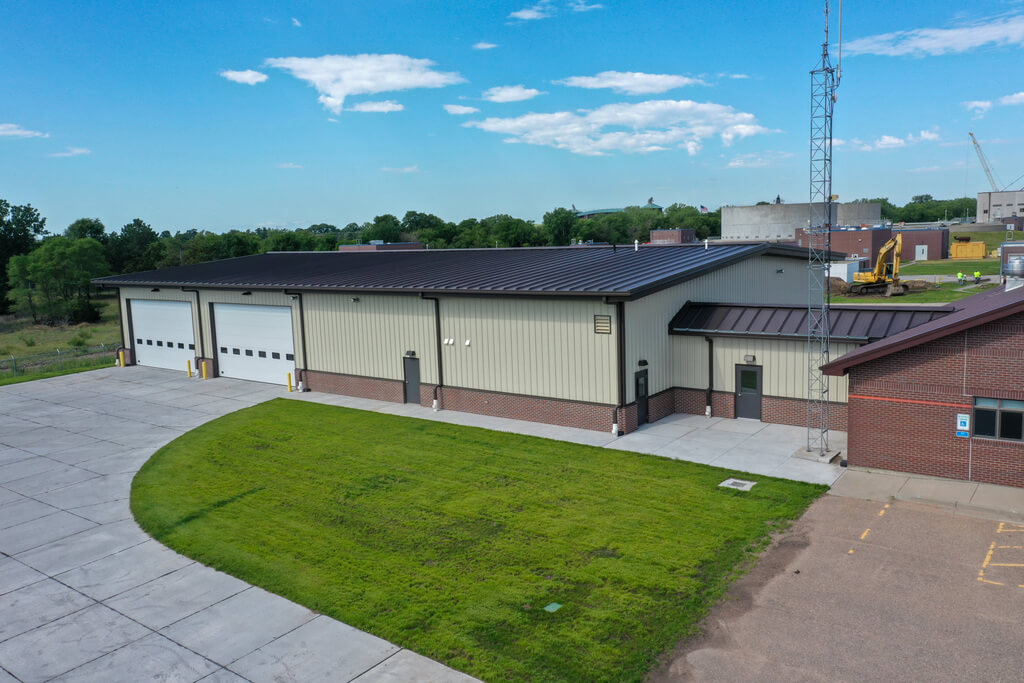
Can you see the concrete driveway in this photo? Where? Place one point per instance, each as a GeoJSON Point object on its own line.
{"type": "Point", "coordinates": [86, 595]}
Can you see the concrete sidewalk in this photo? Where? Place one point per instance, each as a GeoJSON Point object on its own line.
{"type": "Point", "coordinates": [1003, 503]}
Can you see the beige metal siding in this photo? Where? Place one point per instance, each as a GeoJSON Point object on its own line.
{"type": "Point", "coordinates": [784, 363]}
{"type": "Point", "coordinates": [530, 346]}
{"type": "Point", "coordinates": [370, 336]}
{"type": "Point", "coordinates": [755, 280]}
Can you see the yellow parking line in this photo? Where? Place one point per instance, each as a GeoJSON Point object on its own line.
{"type": "Point", "coordinates": [1003, 530]}
{"type": "Point", "coordinates": [994, 583]}
{"type": "Point", "coordinates": [1001, 564]}
{"type": "Point", "coordinates": [1010, 547]}
{"type": "Point", "coordinates": [865, 534]}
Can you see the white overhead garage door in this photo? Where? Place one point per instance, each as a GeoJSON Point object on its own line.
{"type": "Point", "coordinates": [164, 336]}
{"type": "Point", "coordinates": [254, 342]}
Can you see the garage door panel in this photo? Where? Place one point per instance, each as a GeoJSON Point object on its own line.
{"type": "Point", "coordinates": [254, 342]}
{"type": "Point", "coordinates": [164, 333]}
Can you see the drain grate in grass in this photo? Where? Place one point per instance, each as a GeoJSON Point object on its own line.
{"type": "Point", "coordinates": [442, 538]}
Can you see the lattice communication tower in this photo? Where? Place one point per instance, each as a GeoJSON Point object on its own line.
{"type": "Point", "coordinates": [824, 81]}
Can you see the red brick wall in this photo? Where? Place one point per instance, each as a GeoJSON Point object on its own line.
{"type": "Point", "coordinates": [627, 418]}
{"type": "Point", "coordinates": [661, 405]}
{"type": "Point", "coordinates": [594, 416]}
{"type": "Point", "coordinates": [354, 385]}
{"type": "Point", "coordinates": [937, 241]}
{"type": "Point", "coordinates": [889, 431]}
{"type": "Point", "coordinates": [793, 411]}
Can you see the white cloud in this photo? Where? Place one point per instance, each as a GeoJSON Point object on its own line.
{"type": "Point", "coordinates": [510, 93]}
{"type": "Point", "coordinates": [739, 76]}
{"type": "Point", "coordinates": [336, 77]}
{"type": "Point", "coordinates": [484, 45]}
{"type": "Point", "coordinates": [630, 82]}
{"type": "Point", "coordinates": [296, 23]}
{"type": "Point", "coordinates": [922, 42]}
{"type": "Point", "coordinates": [13, 130]}
{"type": "Point", "coordinates": [1016, 98]}
{"type": "Point", "coordinates": [895, 142]}
{"type": "Point", "coordinates": [332, 119]}
{"type": "Point", "coordinates": [382, 107]}
{"type": "Point", "coordinates": [582, 6]}
{"type": "Point", "coordinates": [756, 160]}
{"type": "Point", "coordinates": [641, 127]}
{"type": "Point", "coordinates": [249, 77]}
{"type": "Point", "coordinates": [978, 107]}
{"type": "Point", "coordinates": [289, 164]}
{"type": "Point", "coordinates": [542, 10]}
{"type": "Point", "coordinates": [72, 152]}
{"type": "Point", "coordinates": [459, 109]}
{"type": "Point", "coordinates": [403, 169]}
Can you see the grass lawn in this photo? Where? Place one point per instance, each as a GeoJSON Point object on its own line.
{"type": "Point", "coordinates": [988, 266]}
{"type": "Point", "coordinates": [945, 293]}
{"type": "Point", "coordinates": [19, 337]}
{"type": "Point", "coordinates": [70, 367]}
{"type": "Point", "coordinates": [451, 540]}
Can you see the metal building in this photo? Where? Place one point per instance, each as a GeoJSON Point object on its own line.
{"type": "Point", "coordinates": [592, 337]}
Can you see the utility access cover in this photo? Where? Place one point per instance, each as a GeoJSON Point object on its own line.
{"type": "Point", "coordinates": [738, 484]}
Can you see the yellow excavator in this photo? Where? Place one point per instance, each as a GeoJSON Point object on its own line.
{"type": "Point", "coordinates": [886, 276]}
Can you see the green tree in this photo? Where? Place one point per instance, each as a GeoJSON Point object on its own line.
{"type": "Point", "coordinates": [54, 280]}
{"type": "Point", "coordinates": [127, 250]}
{"type": "Point", "coordinates": [921, 198]}
{"type": "Point", "coordinates": [87, 227]}
{"type": "Point", "coordinates": [560, 224]}
{"type": "Point", "coordinates": [385, 227]}
{"type": "Point", "coordinates": [20, 228]}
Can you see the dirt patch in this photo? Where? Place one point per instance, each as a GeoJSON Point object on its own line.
{"type": "Point", "coordinates": [776, 559]}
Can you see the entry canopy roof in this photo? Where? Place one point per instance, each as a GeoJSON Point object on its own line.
{"type": "Point", "coordinates": [617, 272]}
{"type": "Point", "coordinates": [855, 323]}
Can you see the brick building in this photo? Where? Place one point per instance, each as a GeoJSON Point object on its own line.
{"type": "Point", "coordinates": [958, 380]}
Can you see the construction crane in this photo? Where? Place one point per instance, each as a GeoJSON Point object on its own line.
{"type": "Point", "coordinates": [984, 164]}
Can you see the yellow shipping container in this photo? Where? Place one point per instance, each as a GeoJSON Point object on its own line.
{"type": "Point", "coordinates": [971, 250]}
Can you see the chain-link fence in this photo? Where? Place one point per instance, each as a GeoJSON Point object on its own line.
{"type": "Point", "coordinates": [75, 357]}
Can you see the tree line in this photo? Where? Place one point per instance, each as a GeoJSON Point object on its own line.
{"type": "Point", "coordinates": [923, 208]}
{"type": "Point", "coordinates": [48, 275]}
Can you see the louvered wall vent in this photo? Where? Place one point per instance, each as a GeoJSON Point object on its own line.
{"type": "Point", "coordinates": [602, 324]}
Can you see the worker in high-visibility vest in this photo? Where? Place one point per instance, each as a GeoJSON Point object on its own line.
{"type": "Point", "coordinates": [960, 277]}
{"type": "Point", "coordinates": [977, 277]}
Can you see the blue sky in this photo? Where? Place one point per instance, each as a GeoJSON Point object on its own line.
{"type": "Point", "coordinates": [219, 115]}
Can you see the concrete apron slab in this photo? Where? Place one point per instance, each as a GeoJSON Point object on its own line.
{"type": "Point", "coordinates": [86, 595]}
{"type": "Point", "coordinates": [989, 501]}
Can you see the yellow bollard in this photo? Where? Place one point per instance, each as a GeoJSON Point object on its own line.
{"type": "Point", "coordinates": [188, 368]}
{"type": "Point", "coordinates": [289, 381]}
{"type": "Point", "coordinates": [204, 369]}
{"type": "Point", "coordinates": [121, 354]}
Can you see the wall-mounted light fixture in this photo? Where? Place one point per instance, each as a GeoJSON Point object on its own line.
{"type": "Point", "coordinates": [354, 299]}
{"type": "Point", "coordinates": [155, 289]}
{"type": "Point", "coordinates": [781, 270]}
{"type": "Point", "coordinates": [642, 363]}
{"type": "Point", "coordinates": [247, 293]}
{"type": "Point", "coordinates": [410, 354]}
{"type": "Point", "coordinates": [749, 359]}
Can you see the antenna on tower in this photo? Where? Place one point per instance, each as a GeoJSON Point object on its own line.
{"type": "Point", "coordinates": [824, 81]}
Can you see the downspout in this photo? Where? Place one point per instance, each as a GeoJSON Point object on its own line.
{"type": "Point", "coordinates": [711, 376]}
{"type": "Point", "coordinates": [199, 317]}
{"type": "Point", "coordinates": [120, 316]}
{"type": "Point", "coordinates": [437, 343]}
{"type": "Point", "coordinates": [302, 338]}
{"type": "Point", "coordinates": [620, 318]}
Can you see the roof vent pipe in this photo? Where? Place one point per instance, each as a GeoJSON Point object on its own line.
{"type": "Point", "coordinates": [705, 244]}
{"type": "Point", "coordinates": [636, 245]}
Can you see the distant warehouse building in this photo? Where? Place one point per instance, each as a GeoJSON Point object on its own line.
{"type": "Point", "coordinates": [591, 337]}
{"type": "Point", "coordinates": [995, 207]}
{"type": "Point", "coordinates": [779, 222]}
{"type": "Point", "coordinates": [919, 244]}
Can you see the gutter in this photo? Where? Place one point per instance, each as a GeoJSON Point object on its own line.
{"type": "Point", "coordinates": [437, 344]}
{"type": "Point", "coordinates": [199, 317]}
{"type": "Point", "coordinates": [302, 337]}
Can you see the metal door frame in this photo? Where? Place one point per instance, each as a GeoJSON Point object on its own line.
{"type": "Point", "coordinates": [738, 389]}
{"type": "Point", "coordinates": [641, 405]}
{"type": "Point", "coordinates": [405, 379]}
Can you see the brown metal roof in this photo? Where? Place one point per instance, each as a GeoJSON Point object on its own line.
{"type": "Point", "coordinates": [554, 271]}
{"type": "Point", "coordinates": [970, 312]}
{"type": "Point", "coordinates": [856, 322]}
